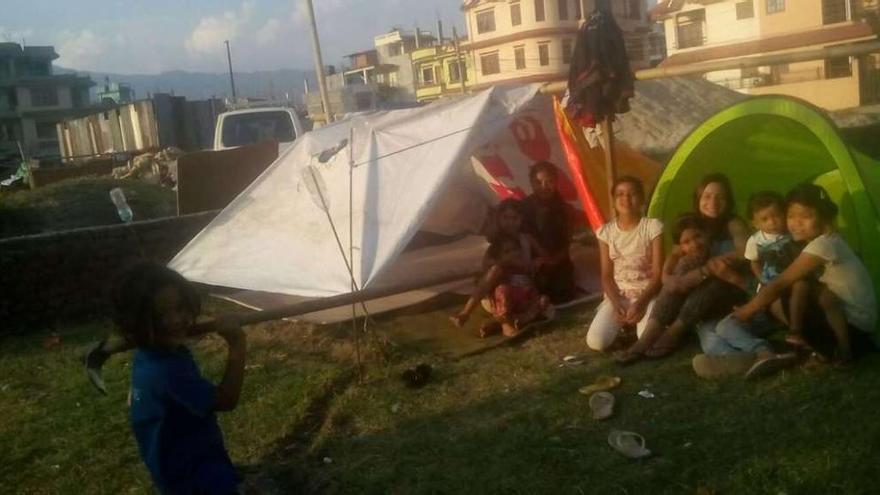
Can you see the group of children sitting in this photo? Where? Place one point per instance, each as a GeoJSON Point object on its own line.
{"type": "Point", "coordinates": [794, 270]}
{"type": "Point", "coordinates": [795, 264]}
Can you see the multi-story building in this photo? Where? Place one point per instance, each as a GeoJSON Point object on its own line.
{"type": "Point", "coordinates": [523, 41]}
{"type": "Point", "coordinates": [442, 70]}
{"type": "Point", "coordinates": [700, 31]}
{"type": "Point", "coordinates": [33, 99]}
{"type": "Point", "coordinates": [379, 78]}
{"type": "Point", "coordinates": [115, 93]}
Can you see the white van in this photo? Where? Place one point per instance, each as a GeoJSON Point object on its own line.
{"type": "Point", "coordinates": [253, 125]}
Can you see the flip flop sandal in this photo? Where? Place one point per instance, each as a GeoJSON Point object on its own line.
{"type": "Point", "coordinates": [629, 444]}
{"type": "Point", "coordinates": [94, 360]}
{"type": "Point", "coordinates": [602, 383]}
{"type": "Point", "coordinates": [602, 405]}
{"type": "Point", "coordinates": [771, 365]}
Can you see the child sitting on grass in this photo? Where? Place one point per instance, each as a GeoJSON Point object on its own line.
{"type": "Point", "coordinates": [675, 311]}
{"type": "Point", "coordinates": [172, 407]}
{"type": "Point", "coordinates": [840, 313]}
{"type": "Point", "coordinates": [770, 250]}
{"type": "Point", "coordinates": [507, 221]}
{"type": "Point", "coordinates": [631, 265]}
{"type": "Point", "coordinates": [516, 301]}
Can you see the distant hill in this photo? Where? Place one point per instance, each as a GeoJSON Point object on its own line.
{"type": "Point", "coordinates": [200, 85]}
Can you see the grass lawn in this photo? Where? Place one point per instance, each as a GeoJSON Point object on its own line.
{"type": "Point", "coordinates": [82, 202]}
{"type": "Point", "coordinates": [508, 421]}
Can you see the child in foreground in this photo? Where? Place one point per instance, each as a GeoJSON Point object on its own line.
{"type": "Point", "coordinates": [840, 314]}
{"type": "Point", "coordinates": [172, 407]}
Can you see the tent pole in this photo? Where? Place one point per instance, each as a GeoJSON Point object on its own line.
{"type": "Point", "coordinates": [354, 329]}
{"type": "Point", "coordinates": [610, 166]}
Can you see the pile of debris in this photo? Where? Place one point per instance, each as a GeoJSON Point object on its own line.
{"type": "Point", "coordinates": [160, 168]}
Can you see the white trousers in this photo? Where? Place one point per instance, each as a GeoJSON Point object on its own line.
{"type": "Point", "coordinates": [604, 328]}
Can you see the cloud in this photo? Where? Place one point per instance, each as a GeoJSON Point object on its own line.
{"type": "Point", "coordinates": [212, 31]}
{"type": "Point", "coordinates": [300, 13]}
{"type": "Point", "coordinates": [269, 32]}
{"type": "Point", "coordinates": [81, 50]}
{"type": "Point", "coordinates": [15, 35]}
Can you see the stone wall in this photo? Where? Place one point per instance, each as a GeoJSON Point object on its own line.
{"type": "Point", "coordinates": [49, 278]}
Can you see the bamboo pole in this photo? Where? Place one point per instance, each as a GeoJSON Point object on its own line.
{"type": "Point", "coordinates": [852, 50]}
{"type": "Point", "coordinates": [368, 294]}
{"type": "Point", "coordinates": [607, 130]}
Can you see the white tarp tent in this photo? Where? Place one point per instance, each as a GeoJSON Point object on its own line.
{"type": "Point", "coordinates": [385, 176]}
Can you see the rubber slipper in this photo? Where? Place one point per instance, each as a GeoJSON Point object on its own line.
{"type": "Point", "coordinates": [629, 444]}
{"type": "Point", "coordinates": [771, 365]}
{"type": "Point", "coordinates": [602, 383]}
{"type": "Point", "coordinates": [94, 360]}
{"type": "Point", "coordinates": [602, 405]}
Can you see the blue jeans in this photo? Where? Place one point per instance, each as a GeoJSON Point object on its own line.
{"type": "Point", "coordinates": [729, 336]}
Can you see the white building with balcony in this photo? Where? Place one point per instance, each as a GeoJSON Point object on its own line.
{"type": "Point", "coordinates": [712, 30]}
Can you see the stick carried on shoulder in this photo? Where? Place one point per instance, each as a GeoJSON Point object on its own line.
{"type": "Point", "coordinates": [99, 353]}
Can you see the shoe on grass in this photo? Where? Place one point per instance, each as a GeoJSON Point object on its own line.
{"type": "Point", "coordinates": [714, 366]}
{"type": "Point", "coordinates": [771, 365]}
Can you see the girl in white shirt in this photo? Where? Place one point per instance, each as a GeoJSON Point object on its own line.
{"type": "Point", "coordinates": [840, 318]}
{"type": "Point", "coordinates": [631, 257]}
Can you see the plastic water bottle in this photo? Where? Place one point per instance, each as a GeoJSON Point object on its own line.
{"type": "Point", "coordinates": [118, 198]}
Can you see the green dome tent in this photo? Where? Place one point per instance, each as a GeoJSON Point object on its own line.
{"type": "Point", "coordinates": [775, 143]}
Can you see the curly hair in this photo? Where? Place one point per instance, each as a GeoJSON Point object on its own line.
{"type": "Point", "coordinates": [688, 221]}
{"type": "Point", "coordinates": [133, 301]}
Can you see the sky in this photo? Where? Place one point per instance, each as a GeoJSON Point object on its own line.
{"type": "Point", "coordinates": [152, 36]}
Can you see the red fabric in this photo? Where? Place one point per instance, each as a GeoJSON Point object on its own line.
{"type": "Point", "coordinates": [511, 300]}
{"type": "Point", "coordinates": [576, 168]}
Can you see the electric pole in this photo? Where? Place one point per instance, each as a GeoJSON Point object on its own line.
{"type": "Point", "coordinates": [462, 67]}
{"type": "Point", "coordinates": [231, 77]}
{"type": "Point", "coordinates": [319, 63]}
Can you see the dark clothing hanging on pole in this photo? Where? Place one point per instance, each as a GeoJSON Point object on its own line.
{"type": "Point", "coordinates": [600, 82]}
